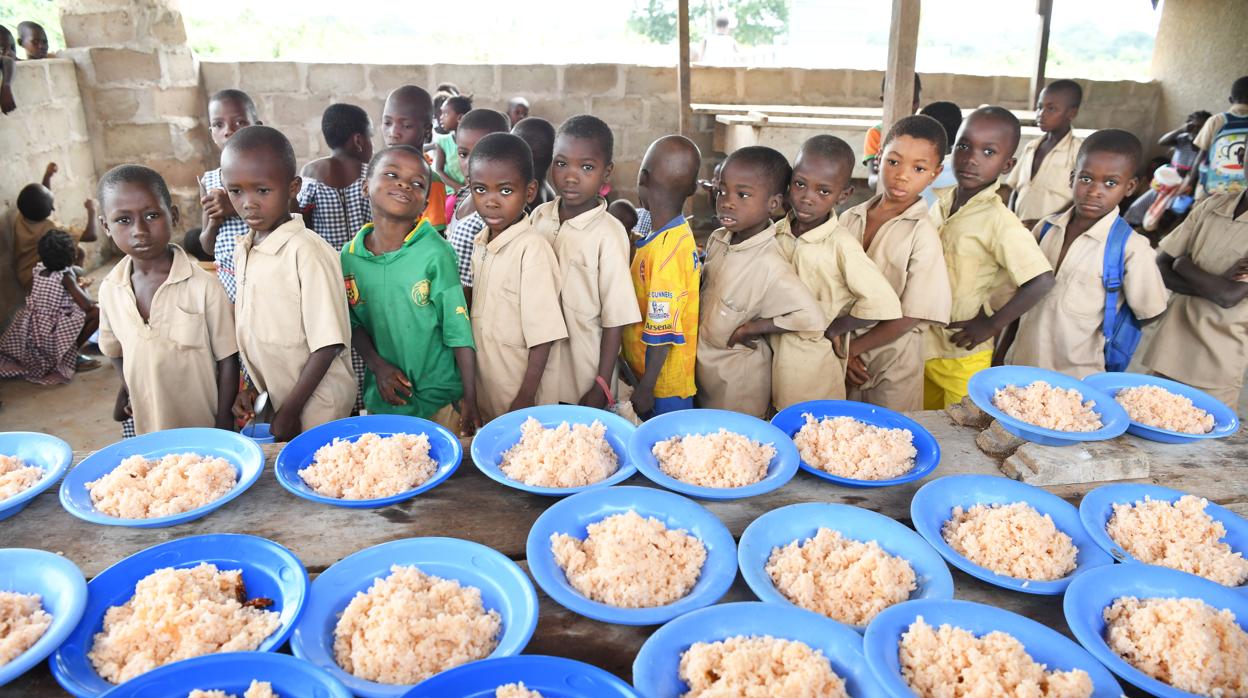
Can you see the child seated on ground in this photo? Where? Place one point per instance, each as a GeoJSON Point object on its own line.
{"type": "Point", "coordinates": [1063, 332]}
{"type": "Point", "coordinates": [446, 157]}
{"type": "Point", "coordinates": [850, 290]}
{"type": "Point", "coordinates": [516, 277]}
{"type": "Point", "coordinates": [332, 200]}
{"type": "Point", "coordinates": [43, 341]}
{"type": "Point", "coordinates": [291, 312]}
{"type": "Point", "coordinates": [221, 227]}
{"type": "Point", "coordinates": [407, 119]}
{"type": "Point", "coordinates": [34, 41]}
{"type": "Point", "coordinates": [1223, 137]}
{"type": "Point", "coordinates": [748, 288]}
{"type": "Point", "coordinates": [985, 247]}
{"type": "Point", "coordinates": [465, 224]}
{"type": "Point", "coordinates": [1041, 179]}
{"type": "Point", "coordinates": [592, 247]}
{"type": "Point", "coordinates": [885, 363]}
{"type": "Point", "coordinates": [165, 322]}
{"type": "Point", "coordinates": [517, 110]}
{"type": "Point", "coordinates": [540, 135]}
{"type": "Point", "coordinates": [1203, 338]}
{"type": "Point", "coordinates": [661, 349]}
{"type": "Point", "coordinates": [35, 205]}
{"type": "Point", "coordinates": [408, 314]}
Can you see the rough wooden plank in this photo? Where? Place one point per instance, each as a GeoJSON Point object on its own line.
{"type": "Point", "coordinates": [903, 44]}
{"type": "Point", "coordinates": [1097, 461]}
{"type": "Point", "coordinates": [968, 414]}
{"type": "Point", "coordinates": [996, 442]}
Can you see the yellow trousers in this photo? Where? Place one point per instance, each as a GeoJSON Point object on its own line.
{"type": "Point", "coordinates": [944, 380]}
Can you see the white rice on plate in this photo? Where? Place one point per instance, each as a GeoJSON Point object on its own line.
{"type": "Point", "coordinates": [629, 561]}
{"type": "Point", "coordinates": [410, 625]}
{"type": "Point", "coordinates": [1179, 535]}
{"type": "Point", "coordinates": [1013, 539]}
{"type": "Point", "coordinates": [846, 580]}
{"type": "Point", "coordinates": [178, 614]}
{"type": "Point", "coordinates": [951, 662]}
{"type": "Point", "coordinates": [1185, 643]}
{"type": "Point", "coordinates": [257, 689]}
{"type": "Point", "coordinates": [1155, 406]}
{"type": "Point", "coordinates": [569, 455]}
{"type": "Point", "coordinates": [851, 448]}
{"type": "Point", "coordinates": [1047, 406]}
{"type": "Point", "coordinates": [176, 483]}
{"type": "Point", "coordinates": [724, 459]}
{"type": "Point", "coordinates": [371, 467]}
{"type": "Point", "coordinates": [16, 477]}
{"type": "Point", "coordinates": [758, 667]}
{"type": "Point", "coordinates": [515, 690]}
{"type": "Point", "coordinates": [22, 622]}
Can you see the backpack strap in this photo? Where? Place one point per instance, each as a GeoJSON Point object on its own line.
{"type": "Point", "coordinates": [1112, 271]}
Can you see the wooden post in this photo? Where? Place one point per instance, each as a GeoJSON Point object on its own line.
{"type": "Point", "coordinates": [682, 70]}
{"type": "Point", "coordinates": [903, 43]}
{"type": "Point", "coordinates": [1044, 8]}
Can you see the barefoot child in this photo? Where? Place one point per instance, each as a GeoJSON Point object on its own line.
{"type": "Point", "coordinates": [515, 320]}
{"type": "Point", "coordinates": [410, 321]}
{"type": "Point", "coordinates": [1041, 180]}
{"type": "Point", "coordinates": [291, 314]}
{"type": "Point", "coordinates": [166, 323]}
{"type": "Point", "coordinates": [332, 198]}
{"type": "Point", "coordinates": [221, 227]}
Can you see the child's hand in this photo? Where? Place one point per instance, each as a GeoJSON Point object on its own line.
{"type": "Point", "coordinates": [50, 170]}
{"type": "Point", "coordinates": [7, 103]}
{"type": "Point", "coordinates": [856, 371]}
{"type": "Point", "coordinates": [217, 205]}
{"type": "Point", "coordinates": [393, 385]}
{"type": "Point", "coordinates": [1238, 270]}
{"type": "Point", "coordinates": [121, 407]}
{"type": "Point", "coordinates": [469, 418]}
{"type": "Point", "coordinates": [743, 336]}
{"type": "Point", "coordinates": [285, 425]}
{"type": "Point", "coordinates": [643, 400]}
{"type": "Point", "coordinates": [522, 401]}
{"type": "Point", "coordinates": [85, 281]}
{"type": "Point", "coordinates": [90, 206]}
{"type": "Point", "coordinates": [838, 345]}
{"type": "Point", "coordinates": [973, 332]}
{"type": "Point", "coordinates": [245, 404]}
{"type": "Point", "coordinates": [594, 398]}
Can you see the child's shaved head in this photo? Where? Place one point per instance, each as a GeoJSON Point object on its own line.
{"type": "Point", "coordinates": [33, 39]}
{"type": "Point", "coordinates": [504, 147]}
{"type": "Point", "coordinates": [1239, 90]}
{"type": "Point", "coordinates": [1071, 89]}
{"type": "Point", "coordinates": [35, 202]}
{"type": "Point", "coordinates": [540, 135]}
{"type": "Point", "coordinates": [773, 166]}
{"type": "Point", "coordinates": [407, 118]}
{"type": "Point", "coordinates": [1116, 141]}
{"type": "Point", "coordinates": [998, 115]}
{"type": "Point", "coordinates": [136, 174]}
{"type": "Point", "coordinates": [590, 128]}
{"type": "Point", "coordinates": [922, 127]}
{"type": "Point", "coordinates": [267, 141]}
{"type": "Point", "coordinates": [386, 152]}
{"type": "Point", "coordinates": [411, 99]}
{"type": "Point", "coordinates": [831, 149]}
{"type": "Point", "coordinates": [487, 120]}
{"type": "Point", "coordinates": [238, 97]}
{"type": "Point", "coordinates": [671, 166]}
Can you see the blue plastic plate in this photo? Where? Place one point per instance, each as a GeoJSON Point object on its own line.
{"type": "Point", "coordinates": [1225, 422]}
{"type": "Point", "coordinates": [240, 451]}
{"type": "Point", "coordinates": [269, 571]}
{"type": "Point", "coordinates": [934, 502]}
{"type": "Point", "coordinates": [1045, 645]}
{"type": "Point", "coordinates": [504, 588]}
{"type": "Point", "coordinates": [64, 593]}
{"type": "Point", "coordinates": [501, 433]}
{"type": "Point", "coordinates": [233, 672]}
{"type": "Point", "coordinates": [1091, 593]}
{"type": "Point", "coordinates": [299, 453]}
{"type": "Point", "coordinates": [782, 526]}
{"type": "Point", "coordinates": [40, 450]}
{"type": "Point", "coordinates": [1098, 506]}
{"type": "Point", "coordinates": [656, 670]}
{"type": "Point", "coordinates": [573, 515]}
{"type": "Point", "coordinates": [781, 469]}
{"type": "Point", "coordinates": [983, 386]}
{"type": "Point", "coordinates": [553, 677]}
{"type": "Point", "coordinates": [791, 420]}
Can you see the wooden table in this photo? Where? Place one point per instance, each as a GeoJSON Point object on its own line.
{"type": "Point", "coordinates": [473, 507]}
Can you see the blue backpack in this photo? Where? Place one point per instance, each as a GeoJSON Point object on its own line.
{"type": "Point", "coordinates": [1223, 172]}
{"type": "Point", "coordinates": [1120, 327]}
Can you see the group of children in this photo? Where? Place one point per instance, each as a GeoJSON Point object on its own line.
{"type": "Point", "coordinates": [33, 41]}
{"type": "Point", "coordinates": [462, 294]}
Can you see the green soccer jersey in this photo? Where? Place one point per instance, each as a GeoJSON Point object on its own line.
{"type": "Point", "coordinates": [411, 304]}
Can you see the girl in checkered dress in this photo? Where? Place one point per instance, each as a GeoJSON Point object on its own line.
{"type": "Point", "coordinates": [42, 343]}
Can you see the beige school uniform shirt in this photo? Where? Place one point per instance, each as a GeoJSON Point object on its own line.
{"type": "Point", "coordinates": [515, 307]}
{"type": "Point", "coordinates": [170, 360]}
{"type": "Point", "coordinates": [985, 248]}
{"type": "Point", "coordinates": [1198, 341]}
{"type": "Point", "coordinates": [596, 290]}
{"type": "Point", "coordinates": [743, 282]}
{"type": "Point", "coordinates": [1063, 332]}
{"type": "Point", "coordinates": [1049, 191]}
{"type": "Point", "coordinates": [844, 281]}
{"type": "Point", "coordinates": [290, 303]}
{"type": "Point", "coordinates": [907, 251]}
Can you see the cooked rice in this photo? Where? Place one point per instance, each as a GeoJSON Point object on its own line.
{"type": "Point", "coordinates": [22, 622]}
{"type": "Point", "coordinates": [758, 667]}
{"type": "Point", "coordinates": [570, 455]}
{"type": "Point", "coordinates": [1157, 407]}
{"type": "Point", "coordinates": [630, 562]}
{"type": "Point", "coordinates": [851, 448]}
{"type": "Point", "coordinates": [844, 579]}
{"type": "Point", "coordinates": [177, 614]}
{"type": "Point", "coordinates": [1012, 539]}
{"type": "Point", "coordinates": [410, 625]}
{"type": "Point", "coordinates": [951, 663]}
{"type": "Point", "coordinates": [723, 459]}
{"type": "Point", "coordinates": [257, 689]}
{"type": "Point", "coordinates": [1180, 536]}
{"type": "Point", "coordinates": [370, 467]}
{"type": "Point", "coordinates": [515, 690]}
{"type": "Point", "coordinates": [146, 489]}
{"type": "Point", "coordinates": [1185, 643]}
{"type": "Point", "coordinates": [1047, 406]}
{"type": "Point", "coordinates": [16, 476]}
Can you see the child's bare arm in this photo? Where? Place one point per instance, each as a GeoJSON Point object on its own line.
{"type": "Point", "coordinates": [121, 407]}
{"type": "Point", "coordinates": [536, 366]}
{"type": "Point", "coordinates": [883, 334]}
{"type": "Point", "coordinates": [1173, 281]}
{"type": "Point", "coordinates": [392, 383]}
{"type": "Point", "coordinates": [48, 172]}
{"type": "Point", "coordinates": [469, 417]}
{"type": "Point", "coordinates": [81, 299]}
{"type": "Point", "coordinates": [982, 327]}
{"type": "Point", "coordinates": [89, 233]}
{"type": "Point", "coordinates": [1189, 182]}
{"type": "Point", "coordinates": [227, 391]}
{"type": "Point", "coordinates": [286, 424]}
{"type": "Point", "coordinates": [643, 395]}
{"type": "Point", "coordinates": [1226, 289]}
{"type": "Point", "coordinates": [844, 325]}
{"type": "Point", "coordinates": [1004, 342]}
{"type": "Point", "coordinates": [608, 354]}
{"type": "Point", "coordinates": [439, 167]}
{"type": "Point", "coordinates": [749, 333]}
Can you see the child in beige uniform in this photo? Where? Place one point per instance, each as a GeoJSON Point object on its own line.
{"type": "Point", "coordinates": [166, 323]}
{"type": "Point", "coordinates": [885, 364]}
{"type": "Point", "coordinates": [515, 300]}
{"type": "Point", "coordinates": [1063, 332]}
{"type": "Point", "coordinates": [592, 248]}
{"type": "Point", "coordinates": [849, 288]}
{"type": "Point", "coordinates": [748, 289]}
{"type": "Point", "coordinates": [1041, 180]}
{"type": "Point", "coordinates": [291, 308]}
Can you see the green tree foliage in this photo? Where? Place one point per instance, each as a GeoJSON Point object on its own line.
{"type": "Point", "coordinates": [759, 22]}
